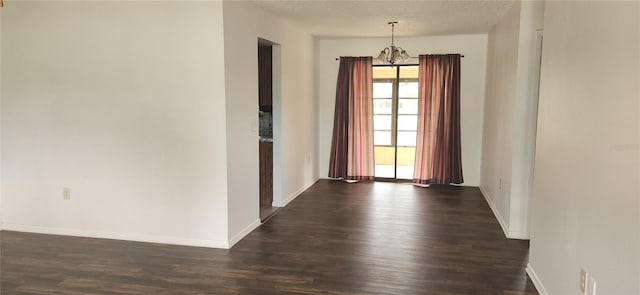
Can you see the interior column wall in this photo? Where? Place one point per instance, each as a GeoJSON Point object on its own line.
{"type": "Point", "coordinates": [294, 102]}
{"type": "Point", "coordinates": [510, 116]}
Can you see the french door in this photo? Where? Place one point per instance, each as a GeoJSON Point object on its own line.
{"type": "Point", "coordinates": [395, 120]}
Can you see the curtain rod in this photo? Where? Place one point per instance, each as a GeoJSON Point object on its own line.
{"type": "Point", "coordinates": [461, 55]}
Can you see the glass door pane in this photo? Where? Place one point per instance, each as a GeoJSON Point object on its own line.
{"type": "Point", "coordinates": [395, 120]}
{"type": "Point", "coordinates": [384, 122]}
{"type": "Point", "coordinates": [407, 121]}
{"type": "Point", "coordinates": [409, 72]}
{"type": "Point", "coordinates": [385, 158]}
{"type": "Point", "coordinates": [406, 158]}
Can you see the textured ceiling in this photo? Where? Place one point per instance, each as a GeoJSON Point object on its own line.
{"type": "Point", "coordinates": [369, 18]}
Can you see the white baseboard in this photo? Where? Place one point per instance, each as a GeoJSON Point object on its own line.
{"type": "Point", "coordinates": [495, 211]}
{"type": "Point", "coordinates": [247, 230]}
{"type": "Point", "coordinates": [505, 229]}
{"type": "Point", "coordinates": [149, 238]}
{"type": "Point", "coordinates": [516, 235]}
{"type": "Point", "coordinates": [536, 280]}
{"type": "Point", "coordinates": [243, 233]}
{"type": "Point", "coordinates": [293, 196]}
{"type": "Point", "coordinates": [116, 236]}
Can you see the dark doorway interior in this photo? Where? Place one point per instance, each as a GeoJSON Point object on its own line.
{"type": "Point", "coordinates": [265, 116]}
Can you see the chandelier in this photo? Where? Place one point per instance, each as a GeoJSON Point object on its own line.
{"type": "Point", "coordinates": [392, 54]}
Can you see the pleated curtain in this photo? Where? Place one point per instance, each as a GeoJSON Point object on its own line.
{"type": "Point", "coordinates": [438, 148]}
{"type": "Point", "coordinates": [352, 155]}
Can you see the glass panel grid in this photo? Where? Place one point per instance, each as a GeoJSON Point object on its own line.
{"type": "Point", "coordinates": [382, 89]}
{"type": "Point", "coordinates": [382, 122]}
{"type": "Point", "coordinates": [407, 122]}
{"type": "Point", "coordinates": [408, 89]}
{"type": "Point", "coordinates": [382, 106]}
{"type": "Point", "coordinates": [407, 138]}
{"type": "Point", "coordinates": [381, 138]}
{"type": "Point", "coordinates": [397, 106]}
{"type": "Point", "coordinates": [408, 106]}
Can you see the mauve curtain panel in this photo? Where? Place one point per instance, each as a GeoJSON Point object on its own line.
{"type": "Point", "coordinates": [352, 145]}
{"type": "Point", "coordinates": [438, 149]}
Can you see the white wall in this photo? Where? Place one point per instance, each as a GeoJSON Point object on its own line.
{"type": "Point", "coordinates": [586, 202]}
{"type": "Point", "coordinates": [471, 90]}
{"type": "Point", "coordinates": [510, 116]}
{"type": "Point", "coordinates": [502, 65]}
{"type": "Point", "coordinates": [123, 102]}
{"type": "Point", "coordinates": [294, 142]}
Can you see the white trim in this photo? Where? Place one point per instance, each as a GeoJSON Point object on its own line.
{"type": "Point", "coordinates": [243, 233]}
{"type": "Point", "coordinates": [463, 184]}
{"type": "Point", "coordinates": [516, 235]}
{"type": "Point", "coordinates": [536, 280]}
{"type": "Point", "coordinates": [148, 238]}
{"type": "Point", "coordinates": [116, 236]}
{"type": "Point", "coordinates": [295, 194]}
{"type": "Point", "coordinates": [495, 211]}
{"type": "Point", "coordinates": [505, 229]}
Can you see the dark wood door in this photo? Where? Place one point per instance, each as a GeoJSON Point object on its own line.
{"type": "Point", "coordinates": [266, 173]}
{"type": "Point", "coordinates": [265, 75]}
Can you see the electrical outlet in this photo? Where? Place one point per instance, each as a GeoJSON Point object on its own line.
{"type": "Point", "coordinates": [66, 193]}
{"type": "Point", "coordinates": [584, 276]}
{"type": "Point", "coordinates": [591, 287]}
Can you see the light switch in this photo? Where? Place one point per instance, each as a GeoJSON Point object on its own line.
{"type": "Point", "coordinates": [583, 281]}
{"type": "Point", "coordinates": [592, 286]}
{"type": "Point", "coordinates": [66, 193]}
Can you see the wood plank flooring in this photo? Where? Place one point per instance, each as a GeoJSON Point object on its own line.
{"type": "Point", "coordinates": [267, 212]}
{"type": "Point", "coordinates": [336, 238]}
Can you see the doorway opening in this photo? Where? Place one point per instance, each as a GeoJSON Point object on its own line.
{"type": "Point", "coordinates": [268, 126]}
{"type": "Point", "coordinates": [395, 120]}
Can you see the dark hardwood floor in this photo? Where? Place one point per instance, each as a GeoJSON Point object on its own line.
{"type": "Point", "coordinates": [336, 238]}
{"type": "Point", "coordinates": [267, 212]}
